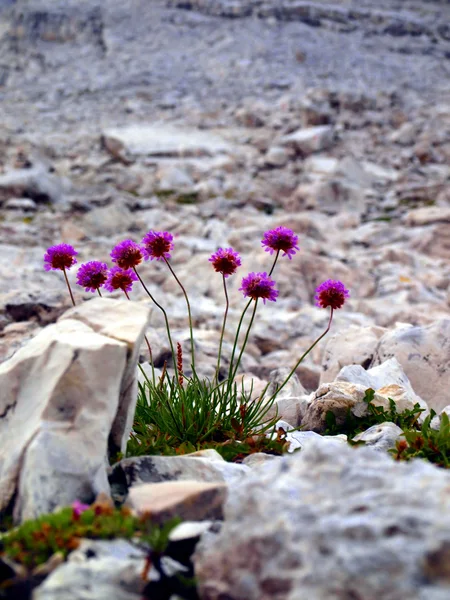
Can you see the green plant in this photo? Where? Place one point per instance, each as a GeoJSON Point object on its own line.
{"type": "Point", "coordinates": [177, 419]}
{"type": "Point", "coordinates": [428, 443]}
{"type": "Point", "coordinates": [35, 541]}
{"type": "Point", "coordinates": [375, 416]}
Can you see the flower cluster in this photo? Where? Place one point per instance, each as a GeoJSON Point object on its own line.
{"type": "Point", "coordinates": [158, 245]}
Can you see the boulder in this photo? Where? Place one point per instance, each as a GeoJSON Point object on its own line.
{"type": "Point", "coordinates": [354, 346]}
{"type": "Point", "coordinates": [65, 397]}
{"type": "Point", "coordinates": [344, 523]}
{"type": "Point", "coordinates": [424, 354]}
{"type": "Point", "coordinates": [309, 140]}
{"type": "Point", "coordinates": [381, 437]}
{"type": "Point", "coordinates": [189, 500]}
{"type": "Point", "coordinates": [140, 140]}
{"type": "Point", "coordinates": [339, 397]}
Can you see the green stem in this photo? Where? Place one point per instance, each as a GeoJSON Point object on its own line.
{"type": "Point", "coordinates": [236, 339]}
{"type": "Point", "coordinates": [188, 307]}
{"type": "Point", "coordinates": [274, 262]}
{"type": "Point", "coordinates": [68, 286]}
{"type": "Point", "coordinates": [227, 305]}
{"type": "Point", "coordinates": [165, 319]}
{"type": "Point", "coordinates": [233, 375]}
{"type": "Point", "coordinates": [98, 290]}
{"type": "Point", "coordinates": [147, 342]}
{"type": "Point", "coordinates": [302, 357]}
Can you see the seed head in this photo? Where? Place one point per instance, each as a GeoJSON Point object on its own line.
{"type": "Point", "coordinates": [127, 254]}
{"type": "Point", "coordinates": [225, 261]}
{"type": "Point", "coordinates": [331, 293]}
{"type": "Point", "coordinates": [120, 279]}
{"type": "Point", "coordinates": [59, 257]}
{"type": "Point", "coordinates": [92, 275]}
{"type": "Point", "coordinates": [280, 239]}
{"type": "Point", "coordinates": [259, 285]}
{"type": "Point", "coordinates": [157, 245]}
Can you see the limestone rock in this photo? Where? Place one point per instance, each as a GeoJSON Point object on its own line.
{"type": "Point", "coordinates": [155, 469]}
{"type": "Point", "coordinates": [36, 183]}
{"type": "Point", "coordinates": [375, 528]}
{"type": "Point", "coordinates": [310, 140]}
{"type": "Point", "coordinates": [339, 397]}
{"type": "Point", "coordinates": [424, 354]}
{"type": "Point", "coordinates": [388, 379]}
{"type": "Point", "coordinates": [354, 346]}
{"type": "Point", "coordinates": [163, 140]}
{"type": "Point", "coordinates": [189, 500]}
{"type": "Point", "coordinates": [64, 397]}
{"type": "Point", "coordinates": [381, 437]}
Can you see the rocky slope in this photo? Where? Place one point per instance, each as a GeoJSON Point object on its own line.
{"type": "Point", "coordinates": [217, 121]}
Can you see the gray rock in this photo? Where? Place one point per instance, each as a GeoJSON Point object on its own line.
{"type": "Point", "coordinates": [381, 437]}
{"type": "Point", "coordinates": [163, 140]}
{"type": "Point", "coordinates": [25, 204]}
{"type": "Point", "coordinates": [154, 469]}
{"type": "Point", "coordinates": [189, 500]}
{"type": "Point", "coordinates": [339, 397]}
{"type": "Point", "coordinates": [310, 140]}
{"type": "Point", "coordinates": [35, 183]}
{"type": "Point", "coordinates": [424, 354]}
{"type": "Point", "coordinates": [65, 397]}
{"type": "Point", "coordinates": [354, 346]}
{"type": "Point", "coordinates": [385, 378]}
{"type": "Point", "coordinates": [378, 529]}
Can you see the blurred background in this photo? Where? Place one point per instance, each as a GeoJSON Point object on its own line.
{"type": "Point", "coordinates": [217, 120]}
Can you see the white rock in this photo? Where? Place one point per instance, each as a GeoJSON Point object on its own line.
{"type": "Point", "coordinates": [353, 346]}
{"type": "Point", "coordinates": [388, 379]}
{"type": "Point", "coordinates": [163, 140]}
{"type": "Point", "coordinates": [344, 522]}
{"type": "Point", "coordinates": [424, 354]}
{"type": "Point", "coordinates": [310, 140]}
{"type": "Point", "coordinates": [65, 397]}
{"type": "Point", "coordinates": [381, 437]}
{"type": "Point", "coordinates": [427, 215]}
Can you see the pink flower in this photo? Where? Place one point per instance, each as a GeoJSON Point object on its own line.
{"type": "Point", "coordinates": [225, 261]}
{"type": "Point", "coordinates": [127, 254]}
{"type": "Point", "coordinates": [78, 508]}
{"type": "Point", "coordinates": [92, 275]}
{"type": "Point", "coordinates": [259, 285]}
{"type": "Point", "coordinates": [59, 257]}
{"type": "Point", "coordinates": [331, 293]}
{"type": "Point", "coordinates": [120, 279]}
{"type": "Point", "coordinates": [157, 245]}
{"type": "Point", "coordinates": [280, 239]}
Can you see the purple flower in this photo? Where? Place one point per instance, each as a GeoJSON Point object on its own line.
{"type": "Point", "coordinates": [78, 508]}
{"type": "Point", "coordinates": [259, 285]}
{"type": "Point", "coordinates": [331, 293]}
{"type": "Point", "coordinates": [120, 279]}
{"type": "Point", "coordinates": [60, 257]}
{"type": "Point", "coordinates": [280, 239]}
{"type": "Point", "coordinates": [225, 261]}
{"type": "Point", "coordinates": [127, 254]}
{"type": "Point", "coordinates": [92, 275]}
{"type": "Point", "coordinates": [157, 245]}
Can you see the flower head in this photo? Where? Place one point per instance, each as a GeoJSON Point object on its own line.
{"type": "Point", "coordinates": [280, 239]}
{"type": "Point", "coordinates": [120, 279]}
{"type": "Point", "coordinates": [331, 293]}
{"type": "Point", "coordinates": [259, 285]}
{"type": "Point", "coordinates": [92, 275]}
{"type": "Point", "coordinates": [157, 245]}
{"type": "Point", "coordinates": [127, 254]}
{"type": "Point", "coordinates": [225, 261]}
{"type": "Point", "coordinates": [78, 508]}
{"type": "Point", "coordinates": [60, 257]}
